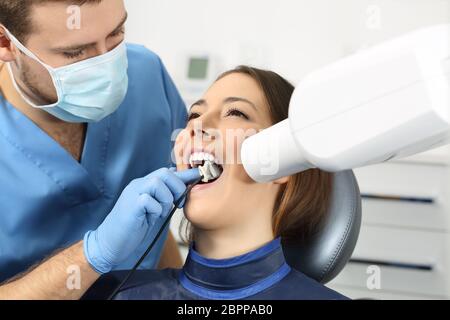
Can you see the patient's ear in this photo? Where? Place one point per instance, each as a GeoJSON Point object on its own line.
{"type": "Point", "coordinates": [281, 181]}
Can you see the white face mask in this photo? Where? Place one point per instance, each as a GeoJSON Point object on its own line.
{"type": "Point", "coordinates": [89, 90]}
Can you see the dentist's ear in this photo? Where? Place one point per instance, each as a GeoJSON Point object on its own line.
{"type": "Point", "coordinates": [6, 52]}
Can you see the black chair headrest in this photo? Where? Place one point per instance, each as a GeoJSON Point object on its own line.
{"type": "Point", "coordinates": [326, 253]}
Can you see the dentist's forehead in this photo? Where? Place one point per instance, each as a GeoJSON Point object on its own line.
{"type": "Point", "coordinates": [97, 20]}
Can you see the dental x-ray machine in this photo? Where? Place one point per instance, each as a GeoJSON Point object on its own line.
{"type": "Point", "coordinates": [387, 102]}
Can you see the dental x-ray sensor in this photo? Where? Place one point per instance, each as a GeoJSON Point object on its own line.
{"type": "Point", "coordinates": [387, 102]}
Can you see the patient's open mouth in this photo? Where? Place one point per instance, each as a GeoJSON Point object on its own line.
{"type": "Point", "coordinates": [208, 166]}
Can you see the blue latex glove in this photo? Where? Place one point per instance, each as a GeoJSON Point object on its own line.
{"type": "Point", "coordinates": [142, 202]}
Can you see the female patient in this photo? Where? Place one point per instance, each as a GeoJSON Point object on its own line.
{"type": "Point", "coordinates": [237, 225]}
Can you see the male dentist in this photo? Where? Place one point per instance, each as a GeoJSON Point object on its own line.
{"type": "Point", "coordinates": [83, 117]}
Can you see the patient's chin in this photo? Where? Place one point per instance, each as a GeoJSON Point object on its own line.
{"type": "Point", "coordinates": [197, 218]}
{"type": "Point", "coordinates": [201, 218]}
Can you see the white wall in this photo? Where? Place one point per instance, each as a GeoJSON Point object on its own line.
{"type": "Point", "coordinates": [292, 37]}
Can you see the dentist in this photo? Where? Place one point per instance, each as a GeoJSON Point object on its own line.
{"type": "Point", "coordinates": [83, 117]}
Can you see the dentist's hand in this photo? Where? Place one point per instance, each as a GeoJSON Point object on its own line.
{"type": "Point", "coordinates": [142, 202]}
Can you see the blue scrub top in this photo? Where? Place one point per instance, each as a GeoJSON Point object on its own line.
{"type": "Point", "coordinates": [49, 201]}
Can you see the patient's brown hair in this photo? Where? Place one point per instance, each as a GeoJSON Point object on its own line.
{"type": "Point", "coordinates": [303, 202]}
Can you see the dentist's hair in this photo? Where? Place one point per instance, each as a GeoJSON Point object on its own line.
{"type": "Point", "coordinates": [16, 15]}
{"type": "Point", "coordinates": [303, 201]}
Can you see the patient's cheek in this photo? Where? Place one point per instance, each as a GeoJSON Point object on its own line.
{"type": "Point", "coordinates": [181, 147]}
{"type": "Point", "coordinates": [178, 151]}
{"type": "Point", "coordinates": [234, 138]}
{"type": "Point", "coordinates": [242, 176]}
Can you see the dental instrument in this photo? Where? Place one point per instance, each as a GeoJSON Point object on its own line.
{"type": "Point", "coordinates": [209, 172]}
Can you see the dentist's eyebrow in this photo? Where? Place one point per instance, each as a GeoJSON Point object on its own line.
{"type": "Point", "coordinates": [120, 26]}
{"type": "Point", "coordinates": [238, 99]}
{"type": "Point", "coordinates": [79, 47]}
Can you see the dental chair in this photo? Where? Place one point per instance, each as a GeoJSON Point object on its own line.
{"type": "Point", "coordinates": [321, 257]}
{"type": "Point", "coordinates": [326, 253]}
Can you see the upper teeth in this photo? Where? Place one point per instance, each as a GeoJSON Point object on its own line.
{"type": "Point", "coordinates": [197, 158]}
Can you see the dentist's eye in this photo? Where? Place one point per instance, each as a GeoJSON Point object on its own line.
{"type": "Point", "coordinates": [73, 55]}
{"type": "Point", "coordinates": [236, 113]}
{"type": "Point", "coordinates": [193, 116]}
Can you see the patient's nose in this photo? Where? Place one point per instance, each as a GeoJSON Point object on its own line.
{"type": "Point", "coordinates": [203, 129]}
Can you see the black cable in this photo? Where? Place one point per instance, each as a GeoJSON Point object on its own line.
{"type": "Point", "coordinates": [150, 247]}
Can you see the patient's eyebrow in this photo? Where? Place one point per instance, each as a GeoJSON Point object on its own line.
{"type": "Point", "coordinates": [201, 102]}
{"type": "Point", "coordinates": [238, 99]}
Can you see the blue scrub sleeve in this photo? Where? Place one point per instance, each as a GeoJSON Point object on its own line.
{"type": "Point", "coordinates": [177, 105]}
